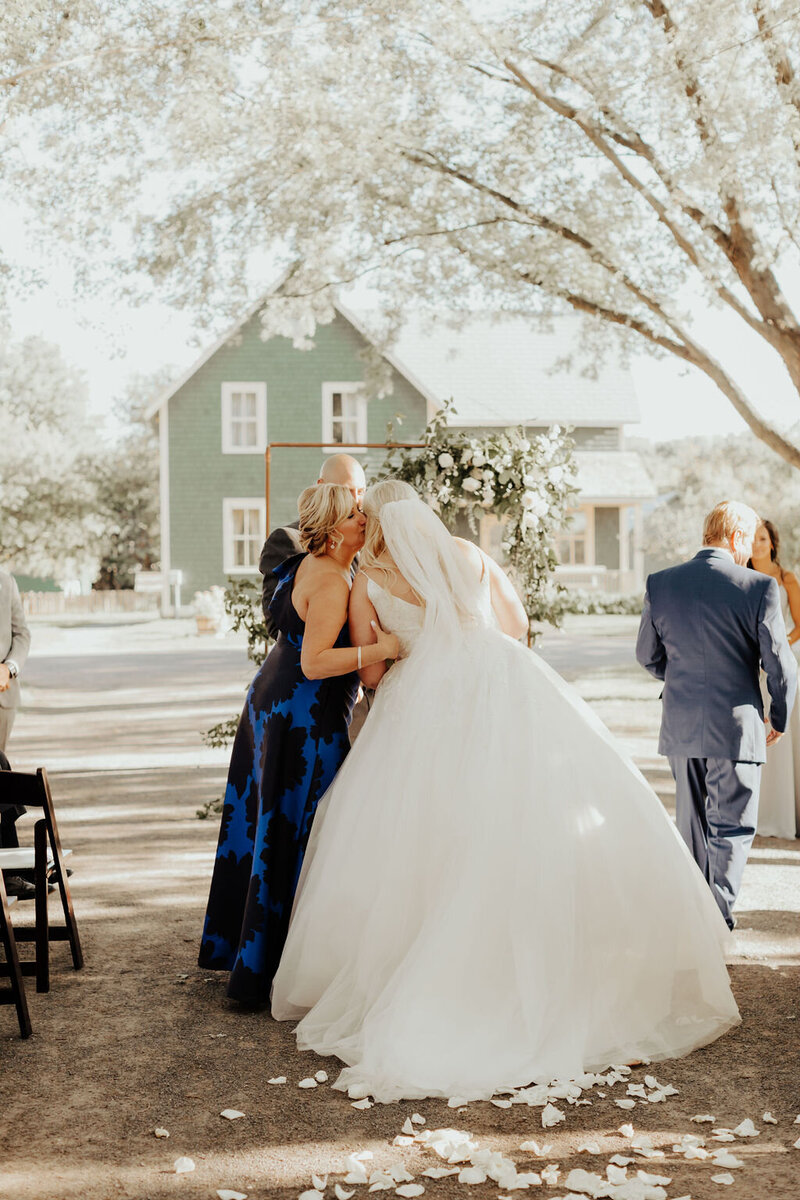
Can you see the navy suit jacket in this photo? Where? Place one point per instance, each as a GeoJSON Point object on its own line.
{"type": "Point", "coordinates": [706, 627]}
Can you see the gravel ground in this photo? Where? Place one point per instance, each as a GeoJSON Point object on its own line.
{"type": "Point", "coordinates": [141, 1038]}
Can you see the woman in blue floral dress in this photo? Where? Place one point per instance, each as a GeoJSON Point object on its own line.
{"type": "Point", "coordinates": [291, 741]}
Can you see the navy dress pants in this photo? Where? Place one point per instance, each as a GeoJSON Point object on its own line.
{"type": "Point", "coordinates": [716, 810]}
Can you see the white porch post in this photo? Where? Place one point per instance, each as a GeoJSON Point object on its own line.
{"type": "Point", "coordinates": [638, 545]}
{"type": "Point", "coordinates": [624, 544]}
{"type": "Point", "coordinates": [163, 501]}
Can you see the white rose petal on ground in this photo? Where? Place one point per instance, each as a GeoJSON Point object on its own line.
{"type": "Point", "coordinates": [457, 1102]}
{"type": "Point", "coordinates": [552, 1116]}
{"type": "Point", "coordinates": [691, 1152]}
{"type": "Point", "coordinates": [321, 1076]}
{"type": "Point", "coordinates": [161, 1133]}
{"type": "Point", "coordinates": [746, 1129]}
{"type": "Point", "coordinates": [502, 1103]}
{"type": "Point", "coordinates": [341, 1193]}
{"type": "Point", "coordinates": [399, 1174]}
{"type": "Point", "coordinates": [229, 1194]}
{"type": "Point", "coordinates": [410, 1189]}
{"type": "Point", "coordinates": [277, 1079]}
{"type": "Point", "coordinates": [589, 1148]}
{"type": "Point", "coordinates": [637, 1089]}
{"type": "Point", "coordinates": [654, 1180]}
{"type": "Point", "coordinates": [723, 1135]}
{"type": "Point", "coordinates": [440, 1172]}
{"type": "Point", "coordinates": [472, 1175]}
{"type": "Point", "coordinates": [408, 1127]}
{"type": "Point", "coordinates": [616, 1175]}
{"type": "Point", "coordinates": [796, 1145]}
{"type": "Point", "coordinates": [312, 1194]}
{"type": "Point", "coordinates": [550, 1174]}
{"type": "Point", "coordinates": [182, 1165]}
{"type": "Point", "coordinates": [625, 1103]}
{"type": "Point", "coordinates": [307, 1083]}
{"type": "Point", "coordinates": [402, 1140]}
{"type": "Point", "coordinates": [417, 1119]}
{"type": "Point", "coordinates": [619, 1160]}
{"type": "Point", "coordinates": [320, 1182]}
{"type": "Point", "coordinates": [723, 1178]}
{"type": "Point", "coordinates": [535, 1148]}
{"type": "Point", "coordinates": [361, 1104]}
{"type": "Point", "coordinates": [231, 1114]}
{"type": "Point", "coordinates": [586, 1182]}
{"type": "Point", "coordinates": [768, 1119]}
{"type": "Point", "coordinates": [626, 1131]}
{"type": "Point", "coordinates": [380, 1180]}
{"type": "Point", "coordinates": [797, 1120]}
{"type": "Point", "coordinates": [724, 1158]}
{"type": "Point", "coordinates": [699, 1118]}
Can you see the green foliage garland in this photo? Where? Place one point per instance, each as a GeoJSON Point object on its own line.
{"type": "Point", "coordinates": [527, 480]}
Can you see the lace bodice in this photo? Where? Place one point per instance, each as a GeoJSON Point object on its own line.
{"type": "Point", "coordinates": [405, 619]}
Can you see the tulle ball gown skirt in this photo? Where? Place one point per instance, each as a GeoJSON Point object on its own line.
{"type": "Point", "coordinates": [493, 895]}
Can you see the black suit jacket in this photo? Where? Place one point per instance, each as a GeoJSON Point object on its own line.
{"type": "Point", "coordinates": [281, 544]}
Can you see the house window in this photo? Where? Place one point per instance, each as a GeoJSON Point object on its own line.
{"type": "Point", "coordinates": [571, 544]}
{"type": "Point", "coordinates": [344, 414]}
{"type": "Point", "coordinates": [244, 418]}
{"type": "Point", "coordinates": [243, 533]}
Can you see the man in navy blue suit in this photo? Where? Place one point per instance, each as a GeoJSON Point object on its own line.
{"type": "Point", "coordinates": [707, 627]}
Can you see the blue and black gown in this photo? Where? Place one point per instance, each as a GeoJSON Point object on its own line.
{"type": "Point", "coordinates": [291, 741]}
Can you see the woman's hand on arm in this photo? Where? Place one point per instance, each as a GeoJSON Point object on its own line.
{"type": "Point", "coordinates": [362, 614]}
{"type": "Point", "coordinates": [325, 616]}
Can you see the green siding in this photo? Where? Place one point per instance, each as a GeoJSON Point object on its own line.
{"type": "Point", "coordinates": [201, 475]}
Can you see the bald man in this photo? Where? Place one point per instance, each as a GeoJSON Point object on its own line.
{"type": "Point", "coordinates": [284, 541]}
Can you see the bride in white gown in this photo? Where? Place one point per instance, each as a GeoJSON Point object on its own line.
{"type": "Point", "coordinates": [492, 894]}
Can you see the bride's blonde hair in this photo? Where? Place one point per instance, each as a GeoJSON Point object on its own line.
{"type": "Point", "coordinates": [384, 492]}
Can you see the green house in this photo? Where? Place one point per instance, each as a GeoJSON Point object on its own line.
{"type": "Point", "coordinates": [246, 393]}
{"type": "Point", "coordinates": [217, 420]}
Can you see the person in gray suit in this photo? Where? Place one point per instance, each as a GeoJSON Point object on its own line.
{"type": "Point", "coordinates": [15, 640]}
{"type": "Point", "coordinates": [706, 628]}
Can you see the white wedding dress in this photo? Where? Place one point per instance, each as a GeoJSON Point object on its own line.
{"type": "Point", "coordinates": [779, 793]}
{"type": "Point", "coordinates": [492, 894]}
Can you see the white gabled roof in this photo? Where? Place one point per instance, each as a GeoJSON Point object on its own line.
{"type": "Point", "coordinates": [170, 391]}
{"type": "Point", "coordinates": [618, 475]}
{"type": "Point", "coordinates": [502, 371]}
{"type": "Point", "coordinates": [499, 370]}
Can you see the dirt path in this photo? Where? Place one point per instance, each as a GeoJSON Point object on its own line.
{"type": "Point", "coordinates": [142, 1039]}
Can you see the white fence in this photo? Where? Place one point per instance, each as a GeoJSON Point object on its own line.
{"type": "Point", "coordinates": [599, 579]}
{"type": "Point", "coordinates": [55, 604]}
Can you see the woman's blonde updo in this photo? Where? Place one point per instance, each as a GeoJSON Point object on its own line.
{"type": "Point", "coordinates": [383, 492]}
{"type": "Point", "coordinates": [321, 509]}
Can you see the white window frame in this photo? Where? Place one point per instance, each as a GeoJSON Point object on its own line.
{"type": "Point", "coordinates": [569, 535]}
{"type": "Point", "coordinates": [229, 505]}
{"type": "Point", "coordinates": [347, 389]}
{"type": "Point", "coordinates": [260, 390]}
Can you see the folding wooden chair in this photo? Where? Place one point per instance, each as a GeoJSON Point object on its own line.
{"type": "Point", "coordinates": [45, 859]}
{"type": "Point", "coordinates": [15, 994]}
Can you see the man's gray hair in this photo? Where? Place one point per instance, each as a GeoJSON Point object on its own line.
{"type": "Point", "coordinates": [728, 518]}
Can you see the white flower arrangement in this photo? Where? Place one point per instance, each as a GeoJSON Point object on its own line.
{"type": "Point", "coordinates": [527, 480]}
{"type": "Point", "coordinates": [210, 603]}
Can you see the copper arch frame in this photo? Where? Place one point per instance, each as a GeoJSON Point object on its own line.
{"type": "Point", "coordinates": [323, 446]}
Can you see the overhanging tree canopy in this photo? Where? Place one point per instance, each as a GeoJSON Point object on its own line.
{"type": "Point", "coordinates": [629, 160]}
